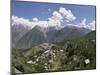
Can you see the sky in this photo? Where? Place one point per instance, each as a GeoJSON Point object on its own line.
{"type": "Point", "coordinates": [83, 15]}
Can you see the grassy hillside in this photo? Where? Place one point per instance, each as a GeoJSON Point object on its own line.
{"type": "Point", "coordinates": [76, 54]}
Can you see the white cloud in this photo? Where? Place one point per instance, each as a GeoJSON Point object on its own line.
{"type": "Point", "coordinates": [67, 14]}
{"type": "Point", "coordinates": [27, 23]}
{"type": "Point", "coordinates": [92, 25]}
{"type": "Point", "coordinates": [70, 16]}
{"type": "Point", "coordinates": [41, 23]}
{"type": "Point", "coordinates": [59, 16]}
{"type": "Point", "coordinates": [63, 11]}
{"type": "Point", "coordinates": [53, 22]}
{"type": "Point", "coordinates": [56, 16]}
{"type": "Point", "coordinates": [21, 21]}
{"type": "Point", "coordinates": [83, 23]}
{"type": "Point", "coordinates": [35, 19]}
{"type": "Point", "coordinates": [55, 19]}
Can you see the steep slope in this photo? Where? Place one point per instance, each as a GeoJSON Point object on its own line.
{"type": "Point", "coordinates": [69, 32]}
{"type": "Point", "coordinates": [51, 33]}
{"type": "Point", "coordinates": [39, 35]}
{"type": "Point", "coordinates": [34, 37]}
{"type": "Point", "coordinates": [17, 31]}
{"type": "Point", "coordinates": [91, 35]}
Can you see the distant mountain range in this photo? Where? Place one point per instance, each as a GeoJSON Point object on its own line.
{"type": "Point", "coordinates": [25, 37]}
{"type": "Point", "coordinates": [17, 32]}
{"type": "Point", "coordinates": [91, 35]}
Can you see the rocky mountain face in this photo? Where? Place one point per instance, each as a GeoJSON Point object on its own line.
{"type": "Point", "coordinates": [17, 31]}
{"type": "Point", "coordinates": [27, 38]}
{"type": "Point", "coordinates": [69, 32]}
{"type": "Point", "coordinates": [31, 38]}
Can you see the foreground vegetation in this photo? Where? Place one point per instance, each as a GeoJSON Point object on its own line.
{"type": "Point", "coordinates": [76, 54]}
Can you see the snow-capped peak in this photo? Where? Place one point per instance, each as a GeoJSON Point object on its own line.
{"type": "Point", "coordinates": [31, 24]}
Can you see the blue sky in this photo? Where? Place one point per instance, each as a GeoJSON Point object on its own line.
{"type": "Point", "coordinates": [33, 9]}
{"type": "Point", "coordinates": [29, 10]}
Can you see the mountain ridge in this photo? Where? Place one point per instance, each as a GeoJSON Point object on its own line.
{"type": "Point", "coordinates": [39, 35]}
